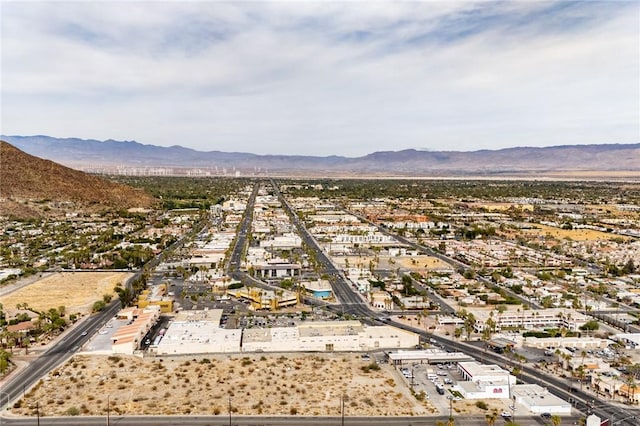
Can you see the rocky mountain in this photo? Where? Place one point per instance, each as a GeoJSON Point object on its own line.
{"type": "Point", "coordinates": [29, 183]}
{"type": "Point", "coordinates": [86, 154]}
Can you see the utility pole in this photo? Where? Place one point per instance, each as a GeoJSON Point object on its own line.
{"type": "Point", "coordinates": [108, 403]}
{"type": "Point", "coordinates": [38, 412]}
{"type": "Point", "coordinates": [342, 409]}
{"type": "Point", "coordinates": [229, 410]}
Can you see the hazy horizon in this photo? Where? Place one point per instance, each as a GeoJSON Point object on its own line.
{"type": "Point", "coordinates": [324, 78]}
{"type": "Point", "coordinates": [327, 155]}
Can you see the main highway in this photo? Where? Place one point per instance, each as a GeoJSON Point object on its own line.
{"type": "Point", "coordinates": [350, 301]}
{"type": "Point", "coordinates": [69, 344]}
{"type": "Point", "coordinates": [204, 420]}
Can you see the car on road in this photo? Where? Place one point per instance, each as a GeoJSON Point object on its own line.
{"type": "Point", "coordinates": [84, 333]}
{"type": "Point", "coordinates": [505, 415]}
{"type": "Point", "coordinates": [545, 415]}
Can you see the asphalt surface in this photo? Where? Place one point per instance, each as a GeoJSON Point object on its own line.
{"type": "Point", "coordinates": [258, 421]}
{"type": "Point", "coordinates": [60, 352]}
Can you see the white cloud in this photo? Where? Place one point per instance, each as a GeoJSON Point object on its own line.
{"type": "Point", "coordinates": [323, 77]}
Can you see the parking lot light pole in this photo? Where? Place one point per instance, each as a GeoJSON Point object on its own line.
{"type": "Point", "coordinates": [108, 404]}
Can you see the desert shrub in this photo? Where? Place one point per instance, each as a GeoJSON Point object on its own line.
{"type": "Point", "coordinates": [482, 405]}
{"type": "Point", "coordinates": [72, 411]}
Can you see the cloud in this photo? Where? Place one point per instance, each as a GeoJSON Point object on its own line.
{"type": "Point", "coordinates": [323, 77]}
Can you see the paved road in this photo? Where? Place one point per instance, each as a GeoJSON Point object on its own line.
{"type": "Point", "coordinates": [532, 374]}
{"type": "Point", "coordinates": [258, 420]}
{"type": "Point", "coordinates": [241, 238]}
{"type": "Point", "coordinates": [61, 351]}
{"type": "Point", "coordinates": [350, 301]}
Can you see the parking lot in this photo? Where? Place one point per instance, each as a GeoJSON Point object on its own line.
{"type": "Point", "coordinates": [438, 381]}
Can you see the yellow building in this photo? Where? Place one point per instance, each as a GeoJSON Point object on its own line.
{"type": "Point", "coordinates": [262, 299]}
{"type": "Point", "coordinates": [156, 297]}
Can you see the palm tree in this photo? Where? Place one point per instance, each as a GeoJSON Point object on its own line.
{"type": "Point", "coordinates": [491, 418]}
{"type": "Point", "coordinates": [457, 333]}
{"type": "Point", "coordinates": [581, 373]}
{"type": "Point", "coordinates": [556, 420]}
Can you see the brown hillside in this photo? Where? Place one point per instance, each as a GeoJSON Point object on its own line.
{"type": "Point", "coordinates": [25, 177]}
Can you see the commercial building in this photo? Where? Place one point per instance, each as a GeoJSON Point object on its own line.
{"type": "Point", "coordinates": [261, 299]}
{"type": "Point", "coordinates": [276, 270]}
{"type": "Point", "coordinates": [539, 400]}
{"type": "Point", "coordinates": [156, 296]}
{"type": "Point", "coordinates": [532, 319]}
{"type": "Point", "coordinates": [327, 336]}
{"type": "Point", "coordinates": [126, 340]}
{"type": "Point", "coordinates": [427, 356]}
{"type": "Point", "coordinates": [199, 332]}
{"type": "Point", "coordinates": [484, 381]}
{"type": "Point", "coordinates": [566, 342]}
{"type": "Point", "coordinates": [195, 332]}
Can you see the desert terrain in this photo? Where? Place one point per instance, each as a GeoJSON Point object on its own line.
{"type": "Point", "coordinates": [268, 384]}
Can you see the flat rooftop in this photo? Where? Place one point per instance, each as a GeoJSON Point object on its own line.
{"type": "Point", "coordinates": [330, 328]}
{"type": "Point", "coordinates": [431, 355]}
{"type": "Point", "coordinates": [211, 315]}
{"type": "Point", "coordinates": [475, 369]}
{"type": "Point", "coordinates": [536, 396]}
{"type": "Point", "coordinates": [197, 333]}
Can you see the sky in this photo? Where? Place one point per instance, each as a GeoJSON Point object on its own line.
{"type": "Point", "coordinates": [323, 78]}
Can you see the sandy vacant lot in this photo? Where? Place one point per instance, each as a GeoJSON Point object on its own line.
{"type": "Point", "coordinates": [77, 291]}
{"type": "Point", "coordinates": [302, 384]}
{"type": "Point", "coordinates": [420, 263]}
{"type": "Point", "coordinates": [574, 234]}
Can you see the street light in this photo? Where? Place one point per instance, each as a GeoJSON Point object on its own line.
{"type": "Point", "coordinates": [108, 406]}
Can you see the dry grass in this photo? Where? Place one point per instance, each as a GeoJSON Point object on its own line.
{"type": "Point", "coordinates": [420, 263]}
{"type": "Point", "coordinates": [75, 290]}
{"type": "Point", "coordinates": [301, 384]}
{"type": "Point", "coordinates": [573, 234]}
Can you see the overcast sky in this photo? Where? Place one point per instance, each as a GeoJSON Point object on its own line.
{"type": "Point", "coordinates": [323, 78]}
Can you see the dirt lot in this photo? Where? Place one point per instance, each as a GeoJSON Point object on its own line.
{"type": "Point", "coordinates": [271, 384]}
{"type": "Point", "coordinates": [420, 263]}
{"type": "Point", "coordinates": [77, 291]}
{"type": "Point", "coordinates": [574, 234]}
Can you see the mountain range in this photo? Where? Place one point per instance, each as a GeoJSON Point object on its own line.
{"type": "Point", "coordinates": [93, 154]}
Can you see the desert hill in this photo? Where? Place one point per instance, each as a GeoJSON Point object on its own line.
{"type": "Point", "coordinates": [25, 178]}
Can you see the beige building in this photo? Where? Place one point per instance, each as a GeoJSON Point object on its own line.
{"type": "Point", "coordinates": [199, 332]}
{"type": "Point", "coordinates": [127, 339]}
{"type": "Point", "coordinates": [195, 332]}
{"type": "Point", "coordinates": [327, 336]}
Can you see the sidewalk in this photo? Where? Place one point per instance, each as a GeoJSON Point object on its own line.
{"type": "Point", "coordinates": [23, 361]}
